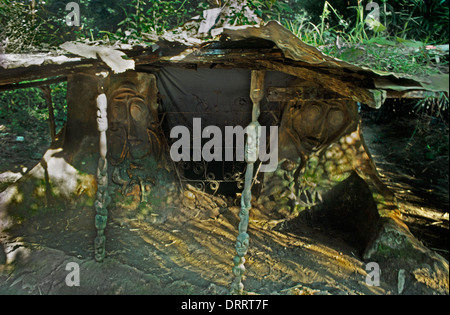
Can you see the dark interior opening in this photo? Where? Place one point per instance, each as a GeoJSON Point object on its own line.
{"type": "Point", "coordinates": [213, 97]}
{"type": "Point", "coordinates": [348, 212]}
{"type": "Point", "coordinates": [215, 177]}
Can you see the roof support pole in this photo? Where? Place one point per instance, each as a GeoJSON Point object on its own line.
{"type": "Point", "coordinates": [51, 116]}
{"type": "Point", "coordinates": [102, 197]}
{"type": "Point", "coordinates": [251, 155]}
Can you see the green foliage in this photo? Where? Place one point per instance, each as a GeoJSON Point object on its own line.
{"type": "Point", "coordinates": [270, 9]}
{"type": "Point", "coordinates": [356, 36]}
{"type": "Point", "coordinates": [316, 22]}
{"type": "Point", "coordinates": [323, 33]}
{"type": "Point", "coordinates": [147, 17]}
{"type": "Point", "coordinates": [27, 26]}
{"type": "Point", "coordinates": [144, 16]}
{"type": "Point", "coordinates": [391, 56]}
{"type": "Point", "coordinates": [25, 109]}
{"type": "Point", "coordinates": [435, 106]}
{"type": "Point", "coordinates": [415, 19]}
{"type": "Point", "coordinates": [19, 27]}
{"type": "Point", "coordinates": [96, 16]}
{"type": "Point", "coordinates": [424, 20]}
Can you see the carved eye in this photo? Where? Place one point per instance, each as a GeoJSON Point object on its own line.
{"type": "Point", "coordinates": [336, 120]}
{"type": "Point", "coordinates": [312, 113]}
{"type": "Point", "coordinates": [137, 112]}
{"type": "Point", "coordinates": [117, 111]}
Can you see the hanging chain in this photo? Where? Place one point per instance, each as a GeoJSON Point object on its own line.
{"type": "Point", "coordinates": [251, 155]}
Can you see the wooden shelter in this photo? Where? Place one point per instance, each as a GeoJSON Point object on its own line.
{"type": "Point", "coordinates": [123, 101]}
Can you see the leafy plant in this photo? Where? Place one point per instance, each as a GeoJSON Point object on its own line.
{"type": "Point", "coordinates": [143, 16]}
{"type": "Point", "coordinates": [322, 33]}
{"type": "Point", "coordinates": [26, 108]}
{"type": "Point", "coordinates": [435, 106]}
{"type": "Point", "coordinates": [19, 27]}
{"type": "Point", "coordinates": [270, 9]}
{"type": "Point", "coordinates": [424, 20]}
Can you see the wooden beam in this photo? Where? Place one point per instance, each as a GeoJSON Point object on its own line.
{"type": "Point", "coordinates": [36, 72]}
{"type": "Point", "coordinates": [412, 94]}
{"type": "Point", "coordinates": [15, 86]}
{"type": "Point", "coordinates": [327, 81]}
{"type": "Point", "coordinates": [209, 56]}
{"type": "Point", "coordinates": [280, 94]}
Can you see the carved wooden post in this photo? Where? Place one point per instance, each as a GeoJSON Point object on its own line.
{"type": "Point", "coordinates": [102, 198]}
{"type": "Point", "coordinates": [251, 155]}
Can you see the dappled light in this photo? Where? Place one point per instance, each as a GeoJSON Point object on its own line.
{"type": "Point", "coordinates": [224, 147]}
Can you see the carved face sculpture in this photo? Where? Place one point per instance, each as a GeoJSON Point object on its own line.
{"type": "Point", "coordinates": [317, 124]}
{"type": "Point", "coordinates": [129, 117]}
{"type": "Point", "coordinates": [242, 243]}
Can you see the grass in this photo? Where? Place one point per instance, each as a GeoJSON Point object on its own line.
{"type": "Point", "coordinates": [396, 58]}
{"type": "Point", "coordinates": [367, 43]}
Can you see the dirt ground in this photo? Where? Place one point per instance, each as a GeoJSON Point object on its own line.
{"type": "Point", "coordinates": [191, 253]}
